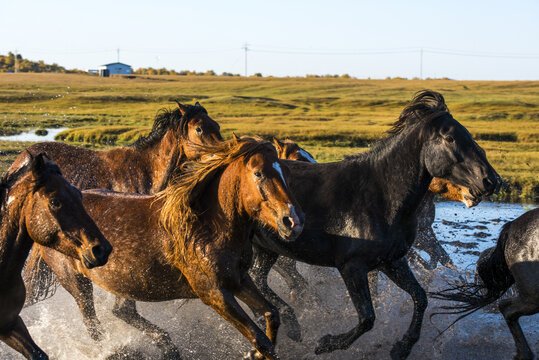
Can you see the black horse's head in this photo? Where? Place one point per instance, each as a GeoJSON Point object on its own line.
{"type": "Point", "coordinates": [449, 151]}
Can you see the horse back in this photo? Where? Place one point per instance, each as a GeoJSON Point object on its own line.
{"type": "Point", "coordinates": [120, 169]}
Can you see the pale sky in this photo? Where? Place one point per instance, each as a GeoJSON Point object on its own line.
{"type": "Point", "coordinates": [297, 37]}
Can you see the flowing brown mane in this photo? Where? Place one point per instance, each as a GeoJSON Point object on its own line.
{"type": "Point", "coordinates": [178, 213]}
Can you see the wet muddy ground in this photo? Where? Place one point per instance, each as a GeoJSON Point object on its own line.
{"type": "Point", "coordinates": [56, 325]}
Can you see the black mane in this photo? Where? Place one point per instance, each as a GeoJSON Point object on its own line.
{"type": "Point", "coordinates": [425, 106]}
{"type": "Point", "coordinates": [165, 120]}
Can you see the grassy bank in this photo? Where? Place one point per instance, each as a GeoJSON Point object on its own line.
{"type": "Point", "coordinates": [331, 117]}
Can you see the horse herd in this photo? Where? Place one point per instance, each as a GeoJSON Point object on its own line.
{"type": "Point", "coordinates": [181, 213]}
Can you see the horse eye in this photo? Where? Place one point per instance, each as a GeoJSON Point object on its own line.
{"type": "Point", "coordinates": [198, 130]}
{"type": "Point", "coordinates": [258, 174]}
{"type": "Point", "coordinates": [449, 139]}
{"type": "Point", "coordinates": [55, 203]}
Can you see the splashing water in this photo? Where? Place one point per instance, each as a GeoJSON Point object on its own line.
{"type": "Point", "coordinates": [56, 324]}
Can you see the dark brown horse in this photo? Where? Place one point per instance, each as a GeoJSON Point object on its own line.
{"type": "Point", "coordinates": [425, 240]}
{"type": "Point", "coordinates": [39, 205]}
{"type": "Point", "coordinates": [193, 239]}
{"type": "Point", "coordinates": [514, 260]}
{"type": "Point", "coordinates": [362, 211]}
{"type": "Point", "coordinates": [142, 167]}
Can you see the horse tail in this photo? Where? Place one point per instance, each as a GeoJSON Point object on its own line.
{"type": "Point", "coordinates": [493, 278]}
{"type": "Point", "coordinates": [38, 278]}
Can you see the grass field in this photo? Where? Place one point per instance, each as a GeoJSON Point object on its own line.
{"type": "Point", "coordinates": [329, 117]}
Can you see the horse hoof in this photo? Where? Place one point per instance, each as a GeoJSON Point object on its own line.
{"type": "Point", "coordinates": [400, 350]}
{"type": "Point", "coordinates": [520, 356]}
{"type": "Point", "coordinates": [96, 335]}
{"type": "Point", "coordinates": [253, 355]}
{"type": "Point", "coordinates": [327, 343]}
{"type": "Point", "coordinates": [172, 354]}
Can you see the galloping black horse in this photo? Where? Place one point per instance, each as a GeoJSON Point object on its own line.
{"type": "Point", "coordinates": [361, 212]}
{"type": "Point", "coordinates": [514, 260]}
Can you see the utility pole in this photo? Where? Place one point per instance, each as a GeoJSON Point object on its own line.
{"type": "Point", "coordinates": [16, 61]}
{"type": "Point", "coordinates": [421, 64]}
{"type": "Point", "coordinates": [246, 48]}
{"type": "Point", "coordinates": [118, 53]}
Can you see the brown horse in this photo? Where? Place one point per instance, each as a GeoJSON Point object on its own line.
{"type": "Point", "coordinates": [193, 239]}
{"type": "Point", "coordinates": [39, 205]}
{"type": "Point", "coordinates": [142, 167]}
{"type": "Point", "coordinates": [425, 240]}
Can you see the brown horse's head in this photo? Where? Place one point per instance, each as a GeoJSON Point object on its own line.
{"type": "Point", "coordinates": [454, 192]}
{"type": "Point", "coordinates": [53, 212]}
{"type": "Point", "coordinates": [264, 191]}
{"type": "Point", "coordinates": [289, 150]}
{"type": "Point", "coordinates": [248, 181]}
{"type": "Point", "coordinates": [197, 129]}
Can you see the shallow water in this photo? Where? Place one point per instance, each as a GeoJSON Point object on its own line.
{"type": "Point", "coordinates": [200, 333]}
{"type": "Point", "coordinates": [32, 137]}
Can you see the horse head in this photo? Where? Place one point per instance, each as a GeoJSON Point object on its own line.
{"type": "Point", "coordinates": [449, 151]}
{"type": "Point", "coordinates": [198, 129]}
{"type": "Point", "coordinates": [289, 150]}
{"type": "Point", "coordinates": [55, 217]}
{"type": "Point", "coordinates": [454, 192]}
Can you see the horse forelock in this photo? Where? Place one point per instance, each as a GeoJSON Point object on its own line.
{"type": "Point", "coordinates": [165, 120]}
{"type": "Point", "coordinates": [179, 212]}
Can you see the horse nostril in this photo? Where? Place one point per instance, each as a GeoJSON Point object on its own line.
{"type": "Point", "coordinates": [287, 221]}
{"type": "Point", "coordinates": [488, 184]}
{"type": "Point", "coordinates": [98, 252]}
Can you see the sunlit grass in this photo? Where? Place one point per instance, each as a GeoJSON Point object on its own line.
{"type": "Point", "coordinates": [330, 117]}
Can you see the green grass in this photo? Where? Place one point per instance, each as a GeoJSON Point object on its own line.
{"type": "Point", "coordinates": [330, 117]}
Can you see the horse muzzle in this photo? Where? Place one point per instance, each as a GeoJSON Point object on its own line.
{"type": "Point", "coordinates": [97, 255]}
{"type": "Point", "coordinates": [290, 225]}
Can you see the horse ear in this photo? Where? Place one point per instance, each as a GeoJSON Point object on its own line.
{"type": "Point", "coordinates": [183, 108]}
{"type": "Point", "coordinates": [38, 165]}
{"type": "Point", "coordinates": [279, 145]}
{"type": "Point", "coordinates": [235, 137]}
{"type": "Point", "coordinates": [198, 104]}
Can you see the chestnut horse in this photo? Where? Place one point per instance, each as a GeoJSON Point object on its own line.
{"type": "Point", "coordinates": [425, 240]}
{"type": "Point", "coordinates": [142, 167]}
{"type": "Point", "coordinates": [39, 205]}
{"type": "Point", "coordinates": [514, 260]}
{"type": "Point", "coordinates": [362, 211]}
{"type": "Point", "coordinates": [193, 239]}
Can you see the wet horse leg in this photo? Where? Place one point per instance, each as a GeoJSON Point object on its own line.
{"type": "Point", "coordinates": [399, 272]}
{"type": "Point", "coordinates": [263, 260]}
{"type": "Point", "coordinates": [224, 303]}
{"type": "Point", "coordinates": [18, 338]}
{"type": "Point", "coordinates": [126, 310]}
{"type": "Point", "coordinates": [286, 267]}
{"type": "Point", "coordinates": [354, 274]}
{"type": "Point", "coordinates": [252, 297]}
{"type": "Point", "coordinates": [427, 241]}
{"type": "Point", "coordinates": [512, 310]}
{"type": "Point", "coordinates": [81, 288]}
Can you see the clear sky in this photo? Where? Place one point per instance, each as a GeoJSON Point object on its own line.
{"type": "Point", "coordinates": [362, 38]}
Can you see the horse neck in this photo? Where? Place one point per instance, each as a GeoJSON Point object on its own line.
{"type": "Point", "coordinates": [399, 171]}
{"type": "Point", "coordinates": [164, 156]}
{"type": "Point", "coordinates": [15, 243]}
{"type": "Point", "coordinates": [228, 219]}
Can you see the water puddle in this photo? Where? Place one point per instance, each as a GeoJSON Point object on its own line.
{"type": "Point", "coordinates": [56, 324]}
{"type": "Point", "coordinates": [31, 135]}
